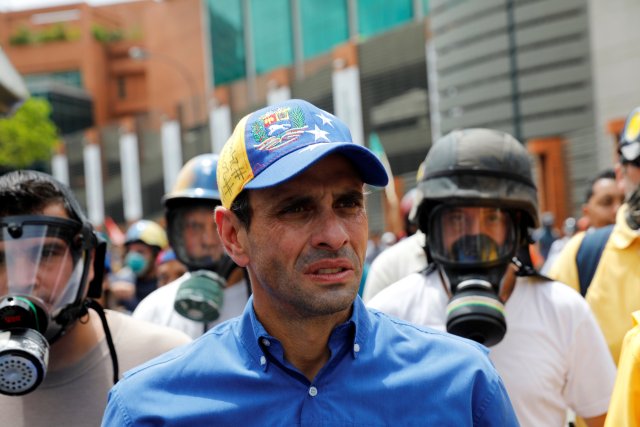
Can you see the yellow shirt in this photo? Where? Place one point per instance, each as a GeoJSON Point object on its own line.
{"type": "Point", "coordinates": [624, 409]}
{"type": "Point", "coordinates": [614, 292]}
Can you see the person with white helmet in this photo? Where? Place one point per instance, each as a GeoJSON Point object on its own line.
{"type": "Point", "coordinates": [214, 289]}
{"type": "Point", "coordinates": [478, 206]}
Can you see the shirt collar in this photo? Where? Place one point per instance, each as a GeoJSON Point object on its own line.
{"type": "Point", "coordinates": [252, 333]}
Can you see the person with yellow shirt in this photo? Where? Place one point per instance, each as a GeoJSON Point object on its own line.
{"type": "Point", "coordinates": [613, 293]}
{"type": "Point", "coordinates": [624, 409]}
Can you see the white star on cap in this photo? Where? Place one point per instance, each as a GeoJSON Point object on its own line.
{"type": "Point", "coordinates": [325, 119]}
{"type": "Point", "coordinates": [319, 134]}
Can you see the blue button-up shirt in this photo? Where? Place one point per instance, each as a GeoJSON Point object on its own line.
{"type": "Point", "coordinates": [382, 371]}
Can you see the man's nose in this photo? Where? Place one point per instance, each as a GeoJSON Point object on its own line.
{"type": "Point", "coordinates": [331, 232]}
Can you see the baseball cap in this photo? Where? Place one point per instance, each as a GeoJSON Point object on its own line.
{"type": "Point", "coordinates": [276, 143]}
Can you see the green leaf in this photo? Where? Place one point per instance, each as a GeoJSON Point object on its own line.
{"type": "Point", "coordinates": [28, 136]}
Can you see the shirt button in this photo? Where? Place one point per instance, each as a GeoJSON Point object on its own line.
{"type": "Point", "coordinates": [266, 342]}
{"type": "Point", "coordinates": [356, 347]}
{"type": "Point", "coordinates": [313, 391]}
{"type": "Point", "coordinates": [263, 360]}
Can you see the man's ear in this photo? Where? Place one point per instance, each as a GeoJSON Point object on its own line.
{"type": "Point", "coordinates": [232, 235]}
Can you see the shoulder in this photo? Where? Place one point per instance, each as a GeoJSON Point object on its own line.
{"type": "Point", "coordinates": [398, 292]}
{"type": "Point", "coordinates": [131, 334]}
{"type": "Point", "coordinates": [417, 338]}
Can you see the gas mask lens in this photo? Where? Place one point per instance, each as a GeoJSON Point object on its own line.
{"type": "Point", "coordinates": [471, 235]}
{"type": "Point", "coordinates": [193, 236]}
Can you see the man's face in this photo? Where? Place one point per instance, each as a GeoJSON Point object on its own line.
{"type": "Point", "coordinates": [37, 266]}
{"type": "Point", "coordinates": [307, 241]}
{"type": "Point", "coordinates": [201, 239]}
{"type": "Point", "coordinates": [457, 222]}
{"type": "Point", "coordinates": [601, 208]}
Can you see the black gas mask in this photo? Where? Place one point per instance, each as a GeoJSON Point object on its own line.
{"type": "Point", "coordinates": [44, 262]}
{"type": "Point", "coordinates": [474, 246]}
{"type": "Point", "coordinates": [194, 239]}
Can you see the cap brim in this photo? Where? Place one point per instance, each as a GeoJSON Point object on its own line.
{"type": "Point", "coordinates": [369, 166]}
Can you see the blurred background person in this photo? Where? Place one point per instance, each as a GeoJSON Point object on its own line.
{"type": "Point", "coordinates": [138, 276]}
{"type": "Point", "coordinates": [214, 288]}
{"type": "Point", "coordinates": [608, 275]}
{"type": "Point", "coordinates": [602, 200]}
{"type": "Point", "coordinates": [569, 228]}
{"type": "Point", "coordinates": [169, 267]}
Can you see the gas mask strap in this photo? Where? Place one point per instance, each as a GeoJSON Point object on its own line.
{"type": "Point", "coordinates": [95, 305]}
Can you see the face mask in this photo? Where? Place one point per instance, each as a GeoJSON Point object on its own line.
{"type": "Point", "coordinates": [136, 262]}
{"type": "Point", "coordinates": [200, 297]}
{"type": "Point", "coordinates": [474, 263]}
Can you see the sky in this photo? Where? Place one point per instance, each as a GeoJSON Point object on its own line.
{"type": "Point", "coordinates": [13, 5]}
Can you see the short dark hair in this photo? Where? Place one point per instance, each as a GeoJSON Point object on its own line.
{"type": "Point", "coordinates": [29, 192]}
{"type": "Point", "coordinates": [242, 208]}
{"type": "Point", "coordinates": [605, 174]}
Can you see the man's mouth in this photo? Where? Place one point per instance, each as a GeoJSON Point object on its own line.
{"type": "Point", "coordinates": [329, 270]}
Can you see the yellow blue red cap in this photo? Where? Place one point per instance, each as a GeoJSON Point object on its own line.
{"type": "Point", "coordinates": [276, 143]}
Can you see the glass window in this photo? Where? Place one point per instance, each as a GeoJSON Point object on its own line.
{"type": "Point", "coordinates": [272, 34]}
{"type": "Point", "coordinates": [376, 16]}
{"type": "Point", "coordinates": [227, 40]}
{"type": "Point", "coordinates": [325, 24]}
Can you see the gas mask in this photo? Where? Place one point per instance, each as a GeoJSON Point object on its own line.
{"type": "Point", "coordinates": [474, 247]}
{"type": "Point", "coordinates": [44, 263]}
{"type": "Point", "coordinates": [200, 296]}
{"type": "Point", "coordinates": [194, 238]}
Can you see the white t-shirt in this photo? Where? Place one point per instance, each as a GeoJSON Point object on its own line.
{"type": "Point", "coordinates": [157, 307]}
{"type": "Point", "coordinates": [552, 358]}
{"type": "Point", "coordinates": [398, 261]}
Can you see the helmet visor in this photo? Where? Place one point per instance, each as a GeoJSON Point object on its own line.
{"type": "Point", "coordinates": [194, 236]}
{"type": "Point", "coordinates": [471, 235]}
{"type": "Point", "coordinates": [41, 257]}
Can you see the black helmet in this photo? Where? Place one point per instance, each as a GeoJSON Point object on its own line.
{"type": "Point", "coordinates": [478, 166]}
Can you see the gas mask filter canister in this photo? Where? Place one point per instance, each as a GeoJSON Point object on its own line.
{"type": "Point", "coordinates": [200, 296]}
{"type": "Point", "coordinates": [24, 351]}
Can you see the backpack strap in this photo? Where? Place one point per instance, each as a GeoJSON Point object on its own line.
{"type": "Point", "coordinates": [589, 254]}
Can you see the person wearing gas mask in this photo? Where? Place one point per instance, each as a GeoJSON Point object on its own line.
{"type": "Point", "coordinates": [214, 289]}
{"type": "Point", "coordinates": [613, 292]}
{"type": "Point", "coordinates": [138, 276]}
{"type": "Point", "coordinates": [60, 352]}
{"type": "Point", "coordinates": [478, 204]}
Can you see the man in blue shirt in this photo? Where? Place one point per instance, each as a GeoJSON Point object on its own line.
{"type": "Point", "coordinates": [306, 351]}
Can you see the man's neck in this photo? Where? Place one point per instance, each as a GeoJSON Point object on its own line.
{"type": "Point", "coordinates": [304, 339]}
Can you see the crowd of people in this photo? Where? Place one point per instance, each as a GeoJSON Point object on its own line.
{"type": "Point", "coordinates": [260, 289]}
